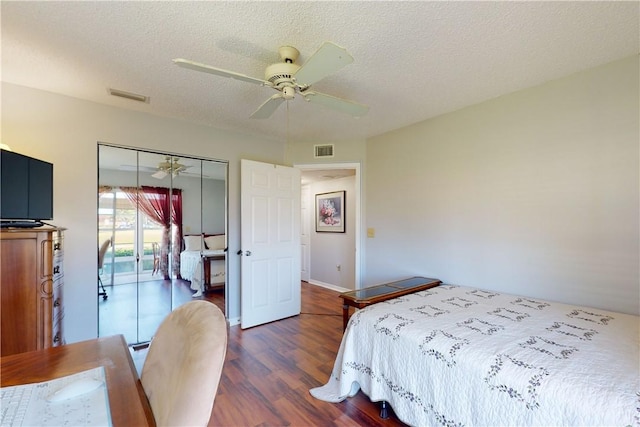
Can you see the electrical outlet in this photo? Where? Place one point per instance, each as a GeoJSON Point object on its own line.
{"type": "Point", "coordinates": [338, 267]}
{"type": "Point", "coordinates": [371, 233]}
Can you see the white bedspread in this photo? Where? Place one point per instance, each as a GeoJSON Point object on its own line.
{"type": "Point", "coordinates": [192, 267]}
{"type": "Point", "coordinates": [457, 356]}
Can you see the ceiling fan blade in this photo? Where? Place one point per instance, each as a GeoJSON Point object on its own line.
{"type": "Point", "coordinates": [328, 59]}
{"type": "Point", "coordinates": [134, 168]}
{"type": "Point", "coordinates": [339, 104]}
{"type": "Point", "coordinates": [185, 63]}
{"type": "Point", "coordinates": [159, 174]}
{"type": "Point", "coordinates": [268, 107]}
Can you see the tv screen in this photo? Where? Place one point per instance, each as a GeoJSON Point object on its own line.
{"type": "Point", "coordinates": [26, 188]}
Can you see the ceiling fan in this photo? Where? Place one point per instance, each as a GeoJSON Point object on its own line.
{"type": "Point", "coordinates": [171, 166]}
{"type": "Point", "coordinates": [290, 79]}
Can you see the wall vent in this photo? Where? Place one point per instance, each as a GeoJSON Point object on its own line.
{"type": "Point", "coordinates": [325, 150]}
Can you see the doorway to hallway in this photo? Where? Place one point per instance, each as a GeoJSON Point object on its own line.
{"type": "Point", "coordinates": [331, 260]}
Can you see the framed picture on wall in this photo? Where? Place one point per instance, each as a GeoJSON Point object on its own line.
{"type": "Point", "coordinates": [330, 212]}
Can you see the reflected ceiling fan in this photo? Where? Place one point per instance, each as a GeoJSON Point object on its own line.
{"type": "Point", "coordinates": [289, 79]}
{"type": "Point", "coordinates": [170, 166]}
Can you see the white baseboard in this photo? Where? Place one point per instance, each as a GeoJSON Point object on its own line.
{"type": "Point", "coordinates": [235, 321]}
{"type": "Point", "coordinates": [329, 286]}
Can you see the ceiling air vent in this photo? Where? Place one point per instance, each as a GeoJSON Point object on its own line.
{"type": "Point", "coordinates": [323, 150]}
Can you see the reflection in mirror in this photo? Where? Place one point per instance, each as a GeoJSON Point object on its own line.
{"type": "Point", "coordinates": [165, 215]}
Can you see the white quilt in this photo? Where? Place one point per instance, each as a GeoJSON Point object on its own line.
{"type": "Point", "coordinates": [458, 356]}
{"type": "Point", "coordinates": [192, 267]}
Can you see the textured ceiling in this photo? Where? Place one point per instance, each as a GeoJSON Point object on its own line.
{"type": "Point", "coordinates": [413, 60]}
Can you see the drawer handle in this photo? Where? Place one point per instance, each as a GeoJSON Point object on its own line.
{"type": "Point", "coordinates": [56, 303]}
{"type": "Point", "coordinates": [56, 339]}
{"type": "Point", "coordinates": [56, 269]}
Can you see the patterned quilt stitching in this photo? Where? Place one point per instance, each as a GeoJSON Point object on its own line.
{"type": "Point", "coordinates": [469, 323]}
{"type": "Point", "coordinates": [587, 334]}
{"type": "Point", "coordinates": [532, 386]}
{"type": "Point", "coordinates": [530, 303]}
{"type": "Point", "coordinates": [450, 361]}
{"type": "Point", "coordinates": [589, 317]}
{"type": "Point", "coordinates": [518, 316]}
{"type": "Point", "coordinates": [403, 393]}
{"type": "Point", "coordinates": [379, 327]}
{"type": "Point", "coordinates": [564, 350]}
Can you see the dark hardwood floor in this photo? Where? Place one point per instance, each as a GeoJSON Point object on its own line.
{"type": "Point", "coordinates": [269, 370]}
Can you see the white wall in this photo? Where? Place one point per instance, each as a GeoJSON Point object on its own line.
{"type": "Point", "coordinates": [535, 193]}
{"type": "Point", "coordinates": [211, 219]}
{"type": "Point", "coordinates": [65, 131]}
{"type": "Point", "coordinates": [329, 250]}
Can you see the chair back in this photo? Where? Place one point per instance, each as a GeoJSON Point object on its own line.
{"type": "Point", "coordinates": [102, 252]}
{"type": "Point", "coordinates": [182, 369]}
{"type": "Point", "coordinates": [155, 247]}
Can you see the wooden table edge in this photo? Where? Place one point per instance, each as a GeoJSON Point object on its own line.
{"type": "Point", "coordinates": [361, 303]}
{"type": "Point", "coordinates": [42, 365]}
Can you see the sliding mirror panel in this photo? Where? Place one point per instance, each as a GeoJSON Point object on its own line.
{"type": "Point", "coordinates": [202, 258]}
{"type": "Point", "coordinates": [156, 243]}
{"type": "Point", "coordinates": [118, 219]}
{"type": "Point", "coordinates": [165, 215]}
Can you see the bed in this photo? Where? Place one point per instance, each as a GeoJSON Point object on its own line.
{"type": "Point", "coordinates": [460, 356]}
{"type": "Point", "coordinates": [203, 254]}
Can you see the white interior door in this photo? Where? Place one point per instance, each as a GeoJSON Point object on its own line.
{"type": "Point", "coordinates": [270, 242]}
{"type": "Point", "coordinates": [305, 236]}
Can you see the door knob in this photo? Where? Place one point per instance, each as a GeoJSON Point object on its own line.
{"type": "Point", "coordinates": [247, 253]}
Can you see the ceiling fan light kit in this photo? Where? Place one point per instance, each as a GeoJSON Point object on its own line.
{"type": "Point", "coordinates": [288, 78]}
{"type": "Point", "coordinates": [172, 166]}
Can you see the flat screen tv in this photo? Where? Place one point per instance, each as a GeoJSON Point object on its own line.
{"type": "Point", "coordinates": [26, 190]}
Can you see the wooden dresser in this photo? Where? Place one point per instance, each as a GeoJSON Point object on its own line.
{"type": "Point", "coordinates": [31, 285]}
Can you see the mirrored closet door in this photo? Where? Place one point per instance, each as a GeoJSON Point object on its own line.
{"type": "Point", "coordinates": [162, 220]}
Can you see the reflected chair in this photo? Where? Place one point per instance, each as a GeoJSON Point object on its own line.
{"type": "Point", "coordinates": [102, 292]}
{"type": "Point", "coordinates": [155, 246]}
{"type": "Point", "coordinates": [182, 370]}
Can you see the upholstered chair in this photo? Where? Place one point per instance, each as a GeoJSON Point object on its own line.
{"type": "Point", "coordinates": [101, 254]}
{"type": "Point", "coordinates": [182, 370]}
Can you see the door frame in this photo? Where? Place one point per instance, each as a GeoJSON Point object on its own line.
{"type": "Point", "coordinates": [359, 255]}
{"type": "Point", "coordinates": [305, 230]}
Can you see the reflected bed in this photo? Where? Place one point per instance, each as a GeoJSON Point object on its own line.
{"type": "Point", "coordinates": [199, 254]}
